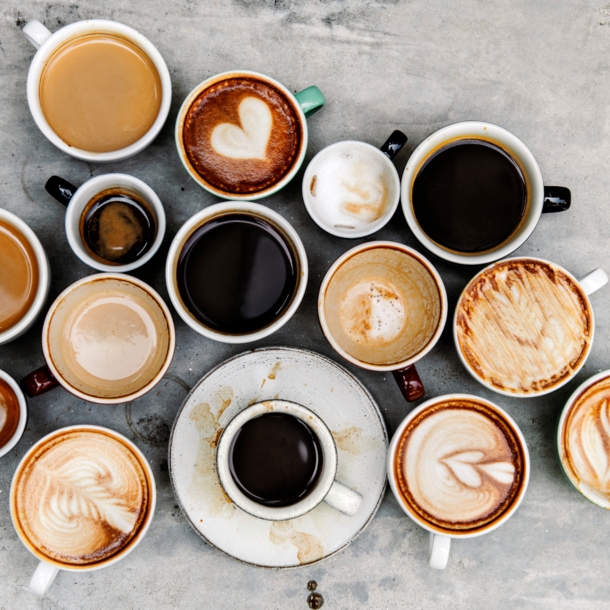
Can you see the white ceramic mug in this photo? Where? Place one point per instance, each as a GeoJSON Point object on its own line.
{"type": "Point", "coordinates": [326, 489]}
{"type": "Point", "coordinates": [47, 43]}
{"type": "Point", "coordinates": [44, 279]}
{"type": "Point", "coordinates": [205, 216]}
{"type": "Point", "coordinates": [539, 198]}
{"type": "Point", "coordinates": [76, 199]}
{"type": "Point", "coordinates": [23, 413]}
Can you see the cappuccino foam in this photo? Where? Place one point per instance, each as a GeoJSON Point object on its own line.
{"type": "Point", "coordinates": [524, 326]}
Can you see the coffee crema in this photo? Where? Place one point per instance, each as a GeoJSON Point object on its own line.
{"type": "Point", "coordinates": [459, 466]}
{"type": "Point", "coordinates": [100, 92]}
{"type": "Point", "coordinates": [242, 135]}
{"type": "Point", "coordinates": [19, 276]}
{"type": "Point", "coordinates": [10, 413]}
{"type": "Point", "coordinates": [524, 326]}
{"type": "Point", "coordinates": [585, 453]}
{"type": "Point", "coordinates": [80, 498]}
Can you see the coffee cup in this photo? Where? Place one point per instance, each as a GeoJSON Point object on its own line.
{"type": "Point", "coordinates": [472, 193]}
{"type": "Point", "coordinates": [70, 79]}
{"type": "Point", "coordinates": [277, 460]}
{"type": "Point", "coordinates": [107, 338]}
{"type": "Point", "coordinates": [236, 272]}
{"type": "Point", "coordinates": [243, 135]}
{"type": "Point", "coordinates": [351, 189]}
{"type": "Point", "coordinates": [383, 307]}
{"type": "Point", "coordinates": [524, 326]}
{"type": "Point", "coordinates": [13, 413]}
{"type": "Point", "coordinates": [114, 222]}
{"type": "Point", "coordinates": [24, 277]}
{"type": "Point", "coordinates": [458, 466]}
{"type": "Point", "coordinates": [583, 437]}
{"type": "Point", "coordinates": [82, 498]}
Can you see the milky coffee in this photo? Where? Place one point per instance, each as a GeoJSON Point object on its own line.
{"type": "Point", "coordinates": [80, 497]}
{"type": "Point", "coordinates": [459, 466]}
{"type": "Point", "coordinates": [524, 326]}
{"type": "Point", "coordinates": [242, 135]}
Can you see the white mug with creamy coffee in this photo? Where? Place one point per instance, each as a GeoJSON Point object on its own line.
{"type": "Point", "coordinates": [459, 467]}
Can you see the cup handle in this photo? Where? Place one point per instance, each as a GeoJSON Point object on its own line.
{"type": "Point", "coordinates": [60, 189]}
{"type": "Point", "coordinates": [438, 551]}
{"type": "Point", "coordinates": [343, 499]}
{"type": "Point", "coordinates": [391, 147]}
{"type": "Point", "coordinates": [42, 578]}
{"type": "Point", "coordinates": [38, 382]}
{"type": "Point", "coordinates": [310, 100]}
{"type": "Point", "coordinates": [36, 33]}
{"type": "Point", "coordinates": [556, 199]}
{"type": "Point", "coordinates": [409, 383]}
{"type": "Point", "coordinates": [594, 281]}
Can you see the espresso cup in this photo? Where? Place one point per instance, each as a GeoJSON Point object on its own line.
{"type": "Point", "coordinates": [236, 272]}
{"type": "Point", "coordinates": [583, 437]}
{"type": "Point", "coordinates": [459, 467]}
{"type": "Point", "coordinates": [82, 498]}
{"type": "Point", "coordinates": [524, 326]}
{"type": "Point", "coordinates": [108, 338]}
{"type": "Point", "coordinates": [292, 459]}
{"type": "Point", "coordinates": [144, 105]}
{"type": "Point", "coordinates": [472, 235]}
{"type": "Point", "coordinates": [116, 231]}
{"type": "Point", "coordinates": [243, 135]}
{"type": "Point", "coordinates": [383, 307]}
{"type": "Point", "coordinates": [351, 189]}
{"type": "Point", "coordinates": [24, 277]}
{"type": "Point", "coordinates": [13, 413]}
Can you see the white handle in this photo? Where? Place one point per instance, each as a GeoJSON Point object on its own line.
{"type": "Point", "coordinates": [438, 551]}
{"type": "Point", "coordinates": [36, 33]}
{"type": "Point", "coordinates": [42, 578]}
{"type": "Point", "coordinates": [594, 281]}
{"type": "Point", "coordinates": [343, 499]}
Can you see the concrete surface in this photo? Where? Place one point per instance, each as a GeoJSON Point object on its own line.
{"type": "Point", "coordinates": [538, 68]}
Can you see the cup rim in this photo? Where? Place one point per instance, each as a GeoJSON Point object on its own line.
{"type": "Point", "coordinates": [170, 327]}
{"type": "Point", "coordinates": [374, 226]}
{"type": "Point", "coordinates": [420, 258]}
{"type": "Point", "coordinates": [101, 183]}
{"type": "Point", "coordinates": [201, 218]}
{"type": "Point", "coordinates": [317, 493]}
{"type": "Point", "coordinates": [397, 437]}
{"type": "Point", "coordinates": [23, 413]}
{"type": "Point", "coordinates": [474, 129]}
{"type": "Point", "coordinates": [143, 528]}
{"type": "Point", "coordinates": [44, 278]}
{"type": "Point", "coordinates": [82, 28]}
{"type": "Point", "coordinates": [184, 108]}
{"type": "Point", "coordinates": [488, 385]}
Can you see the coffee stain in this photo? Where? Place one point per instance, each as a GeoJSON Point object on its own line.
{"type": "Point", "coordinates": [276, 367]}
{"type": "Point", "coordinates": [23, 185]}
{"type": "Point", "coordinates": [254, 401]}
{"type": "Point", "coordinates": [262, 384]}
{"type": "Point", "coordinates": [309, 548]}
{"type": "Point", "coordinates": [354, 441]}
{"type": "Point", "coordinates": [312, 186]}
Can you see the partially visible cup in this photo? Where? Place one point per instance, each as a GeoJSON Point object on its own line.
{"type": "Point", "coordinates": [13, 413]}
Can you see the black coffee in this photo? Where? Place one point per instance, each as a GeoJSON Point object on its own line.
{"type": "Point", "coordinates": [275, 459]}
{"type": "Point", "coordinates": [117, 227]}
{"type": "Point", "coordinates": [470, 196]}
{"type": "Point", "coordinates": [237, 274]}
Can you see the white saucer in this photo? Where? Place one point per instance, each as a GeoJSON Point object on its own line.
{"type": "Point", "coordinates": [312, 381]}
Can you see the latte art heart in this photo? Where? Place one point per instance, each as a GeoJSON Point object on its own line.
{"type": "Point", "coordinates": [248, 141]}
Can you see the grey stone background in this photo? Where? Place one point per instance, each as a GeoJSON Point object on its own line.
{"type": "Point", "coordinates": [540, 69]}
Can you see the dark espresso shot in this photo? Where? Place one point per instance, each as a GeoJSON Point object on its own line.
{"type": "Point", "coordinates": [275, 459]}
{"type": "Point", "coordinates": [117, 227]}
{"type": "Point", "coordinates": [237, 274]}
{"type": "Point", "coordinates": [470, 196]}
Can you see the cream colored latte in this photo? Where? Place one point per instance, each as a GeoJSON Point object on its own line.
{"type": "Point", "coordinates": [524, 326]}
{"type": "Point", "coordinates": [81, 497]}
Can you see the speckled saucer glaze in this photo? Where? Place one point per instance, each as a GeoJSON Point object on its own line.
{"type": "Point", "coordinates": [314, 382]}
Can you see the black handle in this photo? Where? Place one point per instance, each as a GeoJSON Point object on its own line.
{"type": "Point", "coordinates": [394, 143]}
{"type": "Point", "coordinates": [556, 199]}
{"type": "Point", "coordinates": [60, 189]}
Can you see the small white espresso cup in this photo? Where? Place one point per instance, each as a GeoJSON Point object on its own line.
{"type": "Point", "coordinates": [327, 489]}
{"type": "Point", "coordinates": [23, 413]}
{"type": "Point", "coordinates": [47, 43]}
{"type": "Point", "coordinates": [76, 200]}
